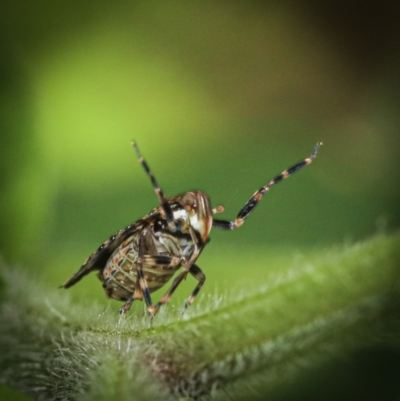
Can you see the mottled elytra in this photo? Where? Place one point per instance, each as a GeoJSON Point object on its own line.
{"type": "Point", "coordinates": [142, 257]}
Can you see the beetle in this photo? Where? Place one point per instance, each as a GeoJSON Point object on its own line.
{"type": "Point", "coordinates": [142, 257]}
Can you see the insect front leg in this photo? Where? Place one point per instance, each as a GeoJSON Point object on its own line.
{"type": "Point", "coordinates": [188, 266]}
{"type": "Point", "coordinates": [197, 273]}
{"type": "Point", "coordinates": [258, 195]}
{"type": "Point", "coordinates": [167, 296]}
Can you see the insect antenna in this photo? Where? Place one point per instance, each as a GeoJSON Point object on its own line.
{"type": "Point", "coordinates": [255, 199]}
{"type": "Point", "coordinates": [160, 194]}
{"type": "Point", "coordinates": [258, 195]}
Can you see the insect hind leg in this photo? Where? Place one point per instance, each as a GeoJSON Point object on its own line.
{"type": "Point", "coordinates": [258, 195]}
{"type": "Point", "coordinates": [143, 291]}
{"type": "Point", "coordinates": [173, 226]}
{"type": "Point", "coordinates": [127, 305]}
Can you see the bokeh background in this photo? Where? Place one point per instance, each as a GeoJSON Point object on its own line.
{"type": "Point", "coordinates": [220, 96]}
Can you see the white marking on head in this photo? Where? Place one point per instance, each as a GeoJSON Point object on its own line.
{"type": "Point", "coordinates": [180, 214]}
{"type": "Point", "coordinates": [202, 225]}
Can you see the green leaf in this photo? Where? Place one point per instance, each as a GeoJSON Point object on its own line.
{"type": "Point", "coordinates": [255, 345]}
{"type": "Point", "coordinates": [7, 393]}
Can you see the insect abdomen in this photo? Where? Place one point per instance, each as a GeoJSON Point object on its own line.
{"type": "Point", "coordinates": [120, 272]}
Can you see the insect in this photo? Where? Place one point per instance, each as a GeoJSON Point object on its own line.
{"type": "Point", "coordinates": [142, 257]}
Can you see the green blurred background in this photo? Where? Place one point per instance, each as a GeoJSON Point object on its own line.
{"type": "Point", "coordinates": [220, 96]}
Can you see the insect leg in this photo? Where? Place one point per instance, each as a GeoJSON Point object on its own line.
{"type": "Point", "coordinates": [188, 266]}
{"type": "Point", "coordinates": [167, 296]}
{"type": "Point", "coordinates": [173, 226]}
{"type": "Point", "coordinates": [257, 196]}
{"type": "Point", "coordinates": [160, 260]}
{"type": "Point", "coordinates": [141, 279]}
{"type": "Point", "coordinates": [196, 272]}
{"type": "Point", "coordinates": [127, 305]}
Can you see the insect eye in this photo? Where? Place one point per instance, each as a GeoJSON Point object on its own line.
{"type": "Point", "coordinates": [189, 201]}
